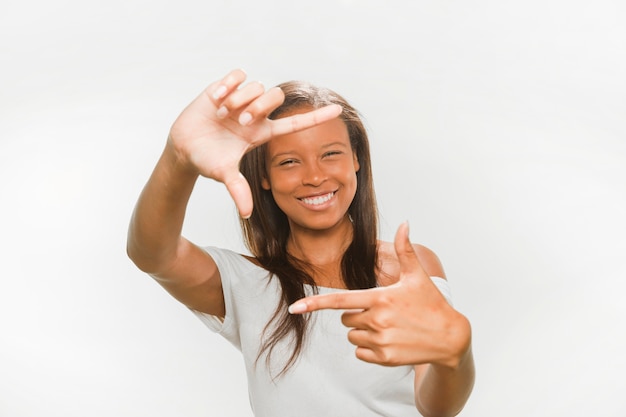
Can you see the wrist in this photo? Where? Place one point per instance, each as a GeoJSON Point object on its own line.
{"type": "Point", "coordinates": [458, 346]}
{"type": "Point", "coordinates": [177, 160]}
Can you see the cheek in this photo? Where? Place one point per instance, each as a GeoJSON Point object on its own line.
{"type": "Point", "coordinates": [349, 174]}
{"type": "Point", "coordinates": [281, 182]}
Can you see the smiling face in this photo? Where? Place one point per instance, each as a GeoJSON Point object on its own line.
{"type": "Point", "coordinates": [312, 175]}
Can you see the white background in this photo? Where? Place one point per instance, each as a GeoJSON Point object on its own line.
{"type": "Point", "coordinates": [498, 130]}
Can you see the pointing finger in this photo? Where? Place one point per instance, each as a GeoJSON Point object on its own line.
{"type": "Point", "coordinates": [348, 300]}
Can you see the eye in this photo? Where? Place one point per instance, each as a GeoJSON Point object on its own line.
{"type": "Point", "coordinates": [287, 162]}
{"type": "Point", "coordinates": [332, 153]}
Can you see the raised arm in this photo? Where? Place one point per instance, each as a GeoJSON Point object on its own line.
{"type": "Point", "coordinates": [208, 139]}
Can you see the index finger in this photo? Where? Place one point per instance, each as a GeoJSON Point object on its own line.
{"type": "Point", "coordinates": [348, 300]}
{"type": "Point", "coordinates": [301, 121]}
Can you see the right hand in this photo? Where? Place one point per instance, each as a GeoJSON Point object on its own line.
{"type": "Point", "coordinates": [224, 122]}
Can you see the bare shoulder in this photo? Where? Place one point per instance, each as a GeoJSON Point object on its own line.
{"type": "Point", "coordinates": [390, 266]}
{"type": "Point", "coordinates": [430, 261]}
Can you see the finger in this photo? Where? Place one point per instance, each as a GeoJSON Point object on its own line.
{"type": "Point", "coordinates": [404, 249]}
{"type": "Point", "coordinates": [355, 319]}
{"type": "Point", "coordinates": [348, 300]}
{"type": "Point", "coordinates": [261, 107]}
{"type": "Point", "coordinates": [374, 319]}
{"type": "Point", "coordinates": [240, 98]}
{"type": "Point", "coordinates": [359, 337]}
{"type": "Point", "coordinates": [226, 85]}
{"type": "Point", "coordinates": [303, 121]}
{"type": "Point", "coordinates": [366, 354]}
{"type": "Point", "coordinates": [367, 349]}
{"type": "Point", "coordinates": [240, 192]}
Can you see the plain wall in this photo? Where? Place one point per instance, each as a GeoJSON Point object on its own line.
{"type": "Point", "coordinates": [497, 130]}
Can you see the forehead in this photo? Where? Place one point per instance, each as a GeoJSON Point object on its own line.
{"type": "Point", "coordinates": [332, 131]}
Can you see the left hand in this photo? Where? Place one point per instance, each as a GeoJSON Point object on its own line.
{"type": "Point", "coordinates": [406, 323]}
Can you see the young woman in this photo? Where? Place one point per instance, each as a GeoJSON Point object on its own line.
{"type": "Point", "coordinates": [330, 320]}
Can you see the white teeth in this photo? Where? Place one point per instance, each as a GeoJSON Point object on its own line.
{"type": "Point", "coordinates": [318, 200]}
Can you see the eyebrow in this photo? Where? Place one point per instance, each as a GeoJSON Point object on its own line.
{"type": "Point", "coordinates": [342, 144]}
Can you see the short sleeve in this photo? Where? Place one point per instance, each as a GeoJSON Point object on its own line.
{"type": "Point", "coordinates": [227, 266]}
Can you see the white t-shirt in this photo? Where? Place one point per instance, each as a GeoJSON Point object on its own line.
{"type": "Point", "coordinates": [327, 379]}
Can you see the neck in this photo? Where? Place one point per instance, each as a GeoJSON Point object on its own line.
{"type": "Point", "coordinates": [320, 248]}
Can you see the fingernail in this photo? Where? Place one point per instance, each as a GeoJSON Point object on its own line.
{"type": "Point", "coordinates": [221, 112]}
{"type": "Point", "coordinates": [297, 308]}
{"type": "Point", "coordinates": [219, 93]}
{"type": "Point", "coordinates": [245, 118]}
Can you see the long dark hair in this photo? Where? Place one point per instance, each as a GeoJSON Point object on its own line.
{"type": "Point", "coordinates": [267, 230]}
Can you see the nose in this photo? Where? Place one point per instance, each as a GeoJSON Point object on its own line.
{"type": "Point", "coordinates": [313, 174]}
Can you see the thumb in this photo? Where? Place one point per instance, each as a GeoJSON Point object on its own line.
{"type": "Point", "coordinates": [405, 252]}
{"type": "Point", "coordinates": [240, 192]}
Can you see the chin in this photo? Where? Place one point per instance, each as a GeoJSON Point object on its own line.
{"type": "Point", "coordinates": [320, 224]}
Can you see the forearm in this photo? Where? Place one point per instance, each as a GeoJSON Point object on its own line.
{"type": "Point", "coordinates": [155, 229]}
{"type": "Point", "coordinates": [442, 391]}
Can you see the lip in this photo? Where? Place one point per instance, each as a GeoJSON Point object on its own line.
{"type": "Point", "coordinates": [318, 200]}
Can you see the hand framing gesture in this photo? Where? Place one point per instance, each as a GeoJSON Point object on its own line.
{"type": "Point", "coordinates": [214, 132]}
{"type": "Point", "coordinates": [407, 323]}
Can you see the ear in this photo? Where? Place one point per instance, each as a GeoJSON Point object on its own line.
{"type": "Point", "coordinates": [265, 184]}
{"type": "Point", "coordinates": [355, 161]}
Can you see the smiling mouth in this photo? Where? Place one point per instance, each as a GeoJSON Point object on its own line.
{"type": "Point", "coordinates": [317, 200]}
